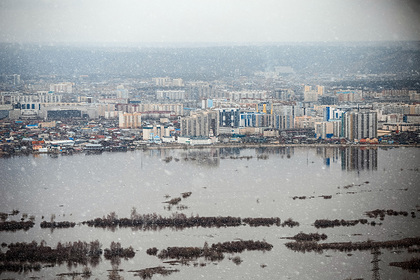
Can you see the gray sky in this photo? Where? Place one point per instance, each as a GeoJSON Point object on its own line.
{"type": "Point", "coordinates": [235, 21]}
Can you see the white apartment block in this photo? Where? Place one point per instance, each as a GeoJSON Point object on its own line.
{"type": "Point", "coordinates": [252, 94]}
{"type": "Point", "coordinates": [66, 87]}
{"type": "Point", "coordinates": [170, 94]}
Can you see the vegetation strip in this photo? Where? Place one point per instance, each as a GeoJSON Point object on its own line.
{"type": "Point", "coordinates": [308, 237]}
{"type": "Point", "coordinates": [77, 252]}
{"type": "Point", "coordinates": [212, 253]}
{"type": "Point", "coordinates": [13, 225]}
{"type": "Point", "coordinates": [148, 273]}
{"type": "Point", "coordinates": [336, 223]}
{"type": "Point", "coordinates": [383, 212]}
{"type": "Point", "coordinates": [179, 221]}
{"type": "Point", "coordinates": [65, 224]}
{"type": "Point", "coordinates": [186, 194]}
{"type": "Point", "coordinates": [117, 251]}
{"type": "Point", "coordinates": [309, 246]}
{"type": "Point", "coordinates": [412, 265]}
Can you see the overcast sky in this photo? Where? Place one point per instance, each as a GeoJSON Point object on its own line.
{"type": "Point", "coordinates": [198, 21]}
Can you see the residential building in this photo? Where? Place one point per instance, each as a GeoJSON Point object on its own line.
{"type": "Point", "coordinates": [173, 108]}
{"type": "Point", "coordinates": [229, 117]}
{"type": "Point", "coordinates": [320, 90]}
{"type": "Point", "coordinates": [254, 119]}
{"type": "Point", "coordinates": [150, 132]}
{"type": "Point", "coordinates": [251, 94]}
{"type": "Point", "coordinates": [328, 129]}
{"type": "Point", "coordinates": [200, 123]}
{"type": "Point", "coordinates": [306, 121]}
{"type": "Point", "coordinates": [359, 125]}
{"type": "Point", "coordinates": [130, 120]}
{"type": "Point", "coordinates": [168, 82]}
{"type": "Point", "coordinates": [170, 94]}
{"type": "Point", "coordinates": [66, 87]}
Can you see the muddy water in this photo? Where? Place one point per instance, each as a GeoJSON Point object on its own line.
{"type": "Point", "coordinates": [224, 182]}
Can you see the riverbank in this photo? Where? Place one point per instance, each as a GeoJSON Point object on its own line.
{"type": "Point", "coordinates": [67, 152]}
{"type": "Point", "coordinates": [274, 145]}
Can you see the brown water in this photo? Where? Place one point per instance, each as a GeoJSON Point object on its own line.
{"type": "Point", "coordinates": [223, 182]}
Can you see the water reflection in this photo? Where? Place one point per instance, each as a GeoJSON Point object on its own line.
{"type": "Point", "coordinates": [355, 158]}
{"type": "Point", "coordinates": [330, 154]}
{"type": "Point", "coordinates": [351, 158]}
{"type": "Point", "coordinates": [282, 151]}
{"type": "Point", "coordinates": [229, 151]}
{"type": "Point", "coordinates": [206, 157]}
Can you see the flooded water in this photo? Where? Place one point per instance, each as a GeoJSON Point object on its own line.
{"type": "Point", "coordinates": [263, 182]}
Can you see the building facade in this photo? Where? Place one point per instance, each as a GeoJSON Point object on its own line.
{"type": "Point", "coordinates": [255, 119]}
{"type": "Point", "coordinates": [201, 123]}
{"type": "Point", "coordinates": [130, 120]}
{"type": "Point", "coordinates": [330, 129]}
{"type": "Point", "coordinates": [229, 117]}
{"type": "Point", "coordinates": [359, 125]}
{"type": "Point", "coordinates": [170, 94]}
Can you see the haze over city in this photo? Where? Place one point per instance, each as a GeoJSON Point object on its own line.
{"type": "Point", "coordinates": [208, 21]}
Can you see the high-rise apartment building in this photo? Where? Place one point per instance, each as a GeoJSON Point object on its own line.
{"type": "Point", "coordinates": [229, 117]}
{"type": "Point", "coordinates": [320, 90]}
{"type": "Point", "coordinates": [170, 94]}
{"type": "Point", "coordinates": [168, 82]}
{"type": "Point", "coordinates": [62, 87]}
{"type": "Point", "coordinates": [331, 113]}
{"type": "Point", "coordinates": [359, 125]}
{"type": "Point", "coordinates": [255, 119]}
{"type": "Point", "coordinates": [283, 116]}
{"type": "Point", "coordinates": [200, 123]}
{"type": "Point", "coordinates": [250, 94]}
{"type": "Point", "coordinates": [283, 94]}
{"type": "Point", "coordinates": [16, 79]}
{"type": "Point", "coordinates": [121, 92]}
{"type": "Point", "coordinates": [173, 108]}
{"type": "Point", "coordinates": [130, 120]}
{"type": "Point", "coordinates": [327, 129]}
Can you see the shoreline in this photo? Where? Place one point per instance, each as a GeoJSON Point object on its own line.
{"type": "Point", "coordinates": [224, 145]}
{"type": "Point", "coordinates": [276, 145]}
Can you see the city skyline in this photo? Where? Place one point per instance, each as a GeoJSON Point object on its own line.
{"type": "Point", "coordinates": [186, 21]}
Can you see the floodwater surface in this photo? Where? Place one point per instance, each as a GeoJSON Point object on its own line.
{"type": "Point", "coordinates": [304, 184]}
